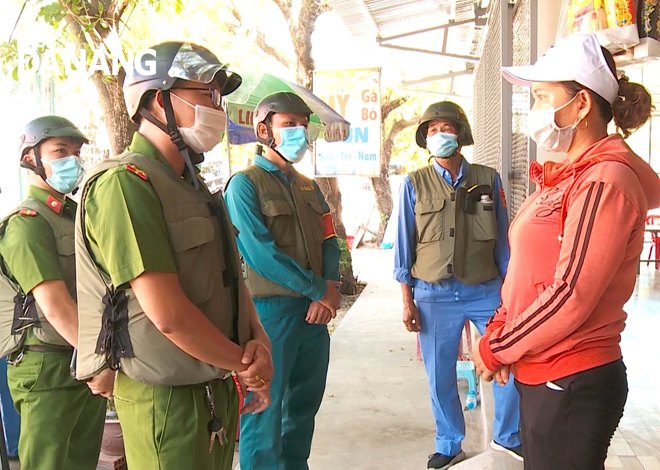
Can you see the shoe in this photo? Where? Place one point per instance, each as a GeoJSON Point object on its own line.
{"type": "Point", "coordinates": [515, 452]}
{"type": "Point", "coordinates": [442, 462]}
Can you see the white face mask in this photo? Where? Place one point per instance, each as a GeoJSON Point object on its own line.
{"type": "Point", "coordinates": [545, 132]}
{"type": "Point", "coordinates": [207, 131]}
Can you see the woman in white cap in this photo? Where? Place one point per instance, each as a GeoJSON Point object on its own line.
{"type": "Point", "coordinates": [575, 245]}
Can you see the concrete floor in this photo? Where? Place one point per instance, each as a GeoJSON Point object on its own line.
{"type": "Point", "coordinates": [377, 415]}
{"type": "Point", "coordinates": [377, 412]}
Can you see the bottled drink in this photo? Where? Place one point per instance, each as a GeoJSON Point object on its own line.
{"type": "Point", "coordinates": [471, 401]}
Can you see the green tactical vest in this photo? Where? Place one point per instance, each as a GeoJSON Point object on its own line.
{"type": "Point", "coordinates": [114, 330]}
{"type": "Point", "coordinates": [456, 232]}
{"type": "Point", "coordinates": [16, 305]}
{"type": "Point", "coordinates": [294, 217]}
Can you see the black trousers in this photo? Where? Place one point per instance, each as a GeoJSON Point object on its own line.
{"type": "Point", "coordinates": [568, 424]}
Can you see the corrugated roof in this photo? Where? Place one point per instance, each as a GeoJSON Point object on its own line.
{"type": "Point", "coordinates": [427, 38]}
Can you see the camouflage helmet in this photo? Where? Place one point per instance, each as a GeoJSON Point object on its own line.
{"type": "Point", "coordinates": [448, 111]}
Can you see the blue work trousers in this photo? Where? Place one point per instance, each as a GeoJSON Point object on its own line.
{"type": "Point", "coordinates": [11, 420]}
{"type": "Point", "coordinates": [440, 336]}
{"type": "Point", "coordinates": [280, 438]}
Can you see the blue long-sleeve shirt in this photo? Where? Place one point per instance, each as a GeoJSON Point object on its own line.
{"type": "Point", "coordinates": [257, 244]}
{"type": "Point", "coordinates": [448, 290]}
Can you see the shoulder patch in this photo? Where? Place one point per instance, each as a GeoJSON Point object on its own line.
{"type": "Point", "coordinates": [503, 197]}
{"type": "Point", "coordinates": [54, 204]}
{"type": "Point", "coordinates": [133, 169]}
{"type": "Point", "coordinates": [28, 212]}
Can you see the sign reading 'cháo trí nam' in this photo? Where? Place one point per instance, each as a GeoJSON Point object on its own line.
{"type": "Point", "coordinates": [355, 94]}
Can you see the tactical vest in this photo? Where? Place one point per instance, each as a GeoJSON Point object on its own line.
{"type": "Point", "coordinates": [456, 232]}
{"type": "Point", "coordinates": [294, 217]}
{"type": "Point", "coordinates": [18, 310]}
{"type": "Point", "coordinates": [114, 330]}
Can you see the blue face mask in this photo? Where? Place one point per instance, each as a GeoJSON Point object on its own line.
{"type": "Point", "coordinates": [442, 144]}
{"type": "Point", "coordinates": [67, 174]}
{"type": "Point", "coordinates": [295, 143]}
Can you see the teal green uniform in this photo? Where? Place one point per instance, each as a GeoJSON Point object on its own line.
{"type": "Point", "coordinates": [164, 427]}
{"type": "Point", "coordinates": [281, 436]}
{"type": "Point", "coordinates": [61, 421]}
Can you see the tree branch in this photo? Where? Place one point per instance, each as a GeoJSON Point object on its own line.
{"type": "Point", "coordinates": [285, 7]}
{"type": "Point", "coordinates": [235, 12]}
{"type": "Point", "coordinates": [388, 105]}
{"type": "Point", "coordinates": [120, 8]}
{"type": "Point", "coordinates": [400, 126]}
{"type": "Point", "coordinates": [277, 54]}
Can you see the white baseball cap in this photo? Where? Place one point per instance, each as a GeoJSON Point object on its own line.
{"type": "Point", "coordinates": [576, 58]}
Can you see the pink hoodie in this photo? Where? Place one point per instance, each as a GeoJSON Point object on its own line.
{"type": "Point", "coordinates": [575, 247]}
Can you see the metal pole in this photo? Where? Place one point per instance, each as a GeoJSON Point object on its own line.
{"type": "Point", "coordinates": [533, 55]}
{"type": "Point", "coordinates": [506, 37]}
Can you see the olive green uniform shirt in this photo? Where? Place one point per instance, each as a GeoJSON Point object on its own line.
{"type": "Point", "coordinates": [28, 244]}
{"type": "Point", "coordinates": [124, 222]}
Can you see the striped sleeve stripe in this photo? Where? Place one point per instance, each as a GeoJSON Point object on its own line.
{"type": "Point", "coordinates": [566, 274]}
{"type": "Point", "coordinates": [527, 326]}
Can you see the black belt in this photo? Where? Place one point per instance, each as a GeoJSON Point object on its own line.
{"type": "Point", "coordinates": [43, 348]}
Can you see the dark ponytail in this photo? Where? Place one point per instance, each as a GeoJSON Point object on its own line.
{"type": "Point", "coordinates": [632, 107]}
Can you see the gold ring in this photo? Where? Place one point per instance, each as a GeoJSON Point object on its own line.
{"type": "Point", "coordinates": [256, 377]}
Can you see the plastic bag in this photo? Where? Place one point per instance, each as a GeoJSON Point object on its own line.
{"type": "Point", "coordinates": [613, 22]}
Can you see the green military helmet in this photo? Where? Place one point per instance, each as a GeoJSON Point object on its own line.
{"type": "Point", "coordinates": [279, 102]}
{"type": "Point", "coordinates": [176, 61]}
{"type": "Point", "coordinates": [448, 111]}
{"type": "Point", "coordinates": [43, 128]}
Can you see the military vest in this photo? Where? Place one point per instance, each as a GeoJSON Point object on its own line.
{"type": "Point", "coordinates": [114, 330]}
{"type": "Point", "coordinates": [294, 217]}
{"type": "Point", "coordinates": [18, 310]}
{"type": "Point", "coordinates": [456, 231]}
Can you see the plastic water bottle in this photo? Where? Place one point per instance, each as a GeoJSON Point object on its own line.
{"type": "Point", "coordinates": [471, 400]}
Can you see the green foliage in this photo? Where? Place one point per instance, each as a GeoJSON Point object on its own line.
{"type": "Point", "coordinates": [52, 14]}
{"type": "Point", "coordinates": [96, 20]}
{"type": "Point", "coordinates": [8, 51]}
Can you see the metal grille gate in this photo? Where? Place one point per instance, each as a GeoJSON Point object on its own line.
{"type": "Point", "coordinates": [491, 101]}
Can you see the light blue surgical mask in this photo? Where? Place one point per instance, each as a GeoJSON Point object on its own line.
{"type": "Point", "coordinates": [67, 174]}
{"type": "Point", "coordinates": [442, 144]}
{"type": "Point", "coordinates": [295, 143]}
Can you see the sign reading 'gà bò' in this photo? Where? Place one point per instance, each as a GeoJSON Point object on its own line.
{"type": "Point", "coordinates": [355, 94]}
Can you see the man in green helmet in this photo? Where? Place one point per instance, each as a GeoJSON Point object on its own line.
{"type": "Point", "coordinates": [161, 295]}
{"type": "Point", "coordinates": [450, 256]}
{"type": "Point", "coordinates": [61, 420]}
{"type": "Point", "coordinates": [289, 245]}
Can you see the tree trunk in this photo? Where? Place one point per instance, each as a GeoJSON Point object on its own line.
{"type": "Point", "coordinates": [109, 88]}
{"type": "Point", "coordinates": [330, 189]}
{"type": "Point", "coordinates": [383, 191]}
{"type": "Point", "coordinates": [301, 27]}
{"type": "Point", "coordinates": [381, 184]}
{"type": "Point", "coordinates": [301, 36]}
{"type": "Point", "coordinates": [118, 123]}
